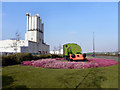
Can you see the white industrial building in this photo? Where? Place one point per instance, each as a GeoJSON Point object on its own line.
{"type": "Point", "coordinates": [34, 39]}
{"type": "Point", "coordinates": [57, 52]}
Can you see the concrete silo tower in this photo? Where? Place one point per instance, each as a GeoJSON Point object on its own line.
{"type": "Point", "coordinates": [35, 28]}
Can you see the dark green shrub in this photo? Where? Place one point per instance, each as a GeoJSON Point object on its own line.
{"type": "Point", "coordinates": [8, 60]}
{"type": "Point", "coordinates": [23, 57]}
{"type": "Point", "coordinates": [19, 57]}
{"type": "Point", "coordinates": [36, 57]}
{"type": "Point", "coordinates": [42, 56]}
{"type": "Point", "coordinates": [16, 58]}
{"type": "Point", "coordinates": [46, 56]}
{"type": "Point", "coordinates": [60, 56]}
{"type": "Point", "coordinates": [56, 56]}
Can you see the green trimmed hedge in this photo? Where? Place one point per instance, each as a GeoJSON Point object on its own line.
{"type": "Point", "coordinates": [47, 56]}
{"type": "Point", "coordinates": [19, 57]}
{"type": "Point", "coordinates": [36, 57]}
{"type": "Point", "coordinates": [56, 56]}
{"type": "Point", "coordinates": [16, 58]}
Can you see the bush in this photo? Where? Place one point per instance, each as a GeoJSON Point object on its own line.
{"type": "Point", "coordinates": [16, 58]}
{"type": "Point", "coordinates": [36, 57]}
{"type": "Point", "coordinates": [20, 57]}
{"type": "Point", "coordinates": [57, 56]}
{"type": "Point", "coordinates": [8, 60]}
{"type": "Point", "coordinates": [42, 56]}
{"type": "Point", "coordinates": [23, 57]}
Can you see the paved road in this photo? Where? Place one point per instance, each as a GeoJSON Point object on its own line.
{"type": "Point", "coordinates": [106, 57]}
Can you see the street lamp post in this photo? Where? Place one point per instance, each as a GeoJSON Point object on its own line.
{"type": "Point", "coordinates": [93, 46]}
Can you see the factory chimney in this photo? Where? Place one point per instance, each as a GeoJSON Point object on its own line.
{"type": "Point", "coordinates": [27, 14]}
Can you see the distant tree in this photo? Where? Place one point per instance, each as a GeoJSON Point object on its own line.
{"type": "Point", "coordinates": [59, 48]}
{"type": "Point", "coordinates": [54, 49]}
{"type": "Point", "coordinates": [108, 53]}
{"type": "Point", "coordinates": [15, 44]}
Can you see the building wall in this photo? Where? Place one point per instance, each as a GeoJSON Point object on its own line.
{"type": "Point", "coordinates": [31, 36]}
{"type": "Point", "coordinates": [24, 49]}
{"type": "Point", "coordinates": [35, 29]}
{"type": "Point", "coordinates": [57, 52]}
{"type": "Point", "coordinates": [12, 45]}
{"type": "Point", "coordinates": [34, 38]}
{"type": "Point", "coordinates": [35, 35]}
{"type": "Point", "coordinates": [32, 47]}
{"type": "Point", "coordinates": [22, 46]}
{"type": "Point", "coordinates": [37, 47]}
{"type": "Point", "coordinates": [45, 48]}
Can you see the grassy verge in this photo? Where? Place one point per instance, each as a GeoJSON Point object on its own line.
{"type": "Point", "coordinates": [18, 76]}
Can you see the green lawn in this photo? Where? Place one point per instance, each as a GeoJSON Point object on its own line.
{"type": "Point", "coordinates": [18, 76]}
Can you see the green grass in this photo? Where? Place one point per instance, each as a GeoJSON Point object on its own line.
{"type": "Point", "coordinates": [18, 76]}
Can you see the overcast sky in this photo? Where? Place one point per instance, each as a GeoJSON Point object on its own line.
{"type": "Point", "coordinates": [66, 22]}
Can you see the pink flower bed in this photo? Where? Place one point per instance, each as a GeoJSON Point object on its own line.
{"type": "Point", "coordinates": [103, 62]}
{"type": "Point", "coordinates": [53, 63]}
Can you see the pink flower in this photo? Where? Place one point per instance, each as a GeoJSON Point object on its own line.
{"type": "Point", "coordinates": [53, 63]}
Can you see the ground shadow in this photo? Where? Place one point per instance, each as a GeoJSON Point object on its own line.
{"type": "Point", "coordinates": [21, 87]}
{"type": "Point", "coordinates": [6, 80]}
